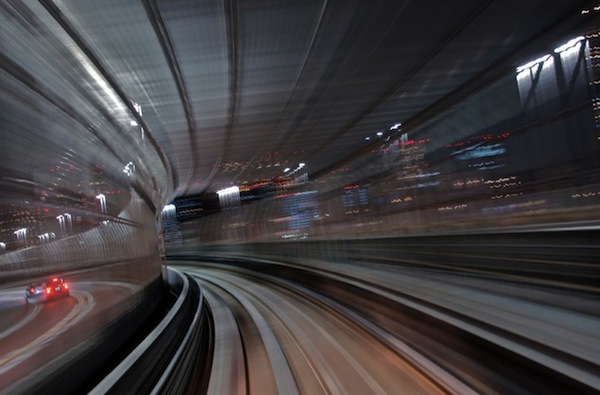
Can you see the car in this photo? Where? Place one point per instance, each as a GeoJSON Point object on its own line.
{"type": "Point", "coordinates": [55, 287]}
{"type": "Point", "coordinates": [34, 291]}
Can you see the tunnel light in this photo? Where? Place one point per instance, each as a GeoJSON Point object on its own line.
{"type": "Point", "coordinates": [102, 200]}
{"type": "Point", "coordinates": [44, 238]}
{"type": "Point", "coordinates": [99, 79]}
{"type": "Point", "coordinates": [379, 134]}
{"type": "Point", "coordinates": [227, 191]}
{"type": "Point", "coordinates": [21, 235]}
{"type": "Point", "coordinates": [169, 212]}
{"type": "Point", "coordinates": [169, 207]}
{"type": "Point", "coordinates": [289, 172]}
{"type": "Point", "coordinates": [229, 197]}
{"type": "Point", "coordinates": [533, 63]}
{"type": "Point", "coordinates": [396, 126]}
{"type": "Point", "coordinates": [138, 108]}
{"type": "Point", "coordinates": [67, 222]}
{"type": "Point", "coordinates": [129, 169]}
{"type": "Point", "coordinates": [569, 44]}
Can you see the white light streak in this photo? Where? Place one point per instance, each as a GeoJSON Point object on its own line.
{"type": "Point", "coordinates": [574, 43]}
{"type": "Point", "coordinates": [533, 63]}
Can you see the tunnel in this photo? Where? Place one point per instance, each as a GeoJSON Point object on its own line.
{"type": "Point", "coordinates": [299, 197]}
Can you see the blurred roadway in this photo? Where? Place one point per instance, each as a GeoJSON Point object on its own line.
{"type": "Point", "coordinates": [35, 335]}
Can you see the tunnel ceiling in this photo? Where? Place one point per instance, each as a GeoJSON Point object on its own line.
{"type": "Point", "coordinates": [235, 92]}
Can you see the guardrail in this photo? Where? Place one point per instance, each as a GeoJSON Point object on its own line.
{"type": "Point", "coordinates": [164, 360]}
{"type": "Point", "coordinates": [566, 257]}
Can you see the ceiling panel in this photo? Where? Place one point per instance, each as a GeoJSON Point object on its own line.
{"type": "Point", "coordinates": [235, 91]}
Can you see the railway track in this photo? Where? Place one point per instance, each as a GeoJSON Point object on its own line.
{"type": "Point", "coordinates": [241, 325]}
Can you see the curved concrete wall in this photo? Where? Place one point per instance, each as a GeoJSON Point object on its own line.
{"type": "Point", "coordinates": [81, 189]}
{"type": "Point", "coordinates": [80, 184]}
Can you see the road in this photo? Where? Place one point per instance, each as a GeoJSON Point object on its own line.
{"type": "Point", "coordinates": [37, 335]}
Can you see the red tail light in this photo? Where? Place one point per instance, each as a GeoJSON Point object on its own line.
{"type": "Point", "coordinates": [66, 286]}
{"type": "Point", "coordinates": [48, 290]}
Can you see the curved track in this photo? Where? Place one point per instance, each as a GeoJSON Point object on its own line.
{"type": "Point", "coordinates": [290, 329]}
{"type": "Point", "coordinates": [234, 325]}
{"type": "Point", "coordinates": [276, 339]}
